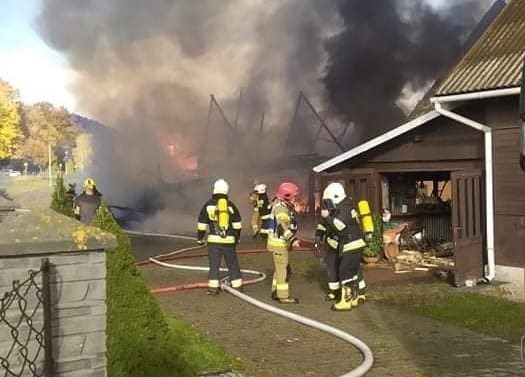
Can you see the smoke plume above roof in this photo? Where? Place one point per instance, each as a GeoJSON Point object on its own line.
{"type": "Point", "coordinates": [147, 68]}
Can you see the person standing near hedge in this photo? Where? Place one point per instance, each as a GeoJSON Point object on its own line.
{"type": "Point", "coordinates": [87, 203]}
{"type": "Point", "coordinates": [340, 228]}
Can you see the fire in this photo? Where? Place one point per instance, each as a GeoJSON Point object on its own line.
{"type": "Point", "coordinates": [182, 158]}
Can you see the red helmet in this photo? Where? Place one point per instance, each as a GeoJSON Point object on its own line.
{"type": "Point", "coordinates": [287, 191]}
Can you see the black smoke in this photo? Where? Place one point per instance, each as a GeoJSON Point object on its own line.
{"type": "Point", "coordinates": [386, 46]}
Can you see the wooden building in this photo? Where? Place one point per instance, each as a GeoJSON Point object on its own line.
{"type": "Point", "coordinates": [455, 165]}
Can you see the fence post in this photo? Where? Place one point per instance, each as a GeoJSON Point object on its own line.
{"type": "Point", "coordinates": [48, 344]}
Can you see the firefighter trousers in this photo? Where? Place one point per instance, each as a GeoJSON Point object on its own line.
{"type": "Point", "coordinates": [215, 254]}
{"type": "Point", "coordinates": [339, 269]}
{"type": "Point", "coordinates": [256, 222]}
{"type": "Point", "coordinates": [350, 266]}
{"type": "Point", "coordinates": [280, 279]}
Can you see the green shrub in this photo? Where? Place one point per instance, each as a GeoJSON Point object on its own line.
{"type": "Point", "coordinates": [374, 246]}
{"type": "Point", "coordinates": [139, 340]}
{"type": "Point", "coordinates": [61, 201]}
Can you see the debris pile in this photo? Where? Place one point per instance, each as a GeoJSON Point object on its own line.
{"type": "Point", "coordinates": [412, 260]}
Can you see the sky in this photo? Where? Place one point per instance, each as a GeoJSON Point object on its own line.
{"type": "Point", "coordinates": [29, 65]}
{"type": "Point", "coordinates": [26, 62]}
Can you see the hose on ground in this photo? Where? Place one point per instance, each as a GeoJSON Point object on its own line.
{"type": "Point", "coordinates": [368, 358]}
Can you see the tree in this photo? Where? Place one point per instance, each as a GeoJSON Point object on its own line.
{"type": "Point", "coordinates": [10, 124]}
{"type": "Point", "coordinates": [62, 202]}
{"type": "Point", "coordinates": [46, 124]}
{"type": "Point", "coordinates": [83, 152]}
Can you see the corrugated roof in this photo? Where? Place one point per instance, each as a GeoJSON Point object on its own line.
{"type": "Point", "coordinates": [495, 60]}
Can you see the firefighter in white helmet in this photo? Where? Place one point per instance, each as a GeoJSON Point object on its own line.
{"type": "Point", "coordinates": [261, 210]}
{"type": "Point", "coordinates": [341, 228]}
{"type": "Point", "coordinates": [220, 219]}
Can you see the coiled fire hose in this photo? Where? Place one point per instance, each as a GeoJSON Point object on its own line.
{"type": "Point", "coordinates": [368, 358]}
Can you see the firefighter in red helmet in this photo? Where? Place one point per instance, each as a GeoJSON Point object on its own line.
{"type": "Point", "coordinates": [282, 229]}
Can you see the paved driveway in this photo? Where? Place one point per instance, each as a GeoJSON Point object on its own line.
{"type": "Point", "coordinates": [403, 344]}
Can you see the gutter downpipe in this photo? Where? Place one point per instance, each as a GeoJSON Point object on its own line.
{"type": "Point", "coordinates": [490, 271]}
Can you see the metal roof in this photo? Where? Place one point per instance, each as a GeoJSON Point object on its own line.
{"type": "Point", "coordinates": [495, 60]}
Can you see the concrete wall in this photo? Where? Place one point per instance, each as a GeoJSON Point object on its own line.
{"type": "Point", "coordinates": [78, 295]}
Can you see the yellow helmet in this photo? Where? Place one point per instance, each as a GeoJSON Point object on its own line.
{"type": "Point", "coordinates": [89, 183]}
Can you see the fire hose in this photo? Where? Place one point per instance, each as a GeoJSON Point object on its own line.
{"type": "Point", "coordinates": [368, 357]}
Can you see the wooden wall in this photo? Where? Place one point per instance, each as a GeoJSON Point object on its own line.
{"type": "Point", "coordinates": [509, 183]}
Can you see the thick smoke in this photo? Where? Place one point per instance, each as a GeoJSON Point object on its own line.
{"type": "Point", "coordinates": [388, 48]}
{"type": "Point", "coordinates": [147, 69]}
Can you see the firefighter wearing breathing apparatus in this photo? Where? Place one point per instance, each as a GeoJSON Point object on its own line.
{"type": "Point", "coordinates": [344, 229]}
{"type": "Point", "coordinates": [221, 220]}
{"type": "Point", "coordinates": [261, 210]}
{"type": "Point", "coordinates": [282, 228]}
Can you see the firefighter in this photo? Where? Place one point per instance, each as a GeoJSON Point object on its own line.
{"type": "Point", "coordinates": [261, 211]}
{"type": "Point", "coordinates": [341, 229]}
{"type": "Point", "coordinates": [88, 202]}
{"type": "Point", "coordinates": [220, 219]}
{"type": "Point", "coordinates": [282, 228]}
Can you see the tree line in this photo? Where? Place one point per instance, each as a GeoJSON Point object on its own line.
{"type": "Point", "coordinates": [27, 132]}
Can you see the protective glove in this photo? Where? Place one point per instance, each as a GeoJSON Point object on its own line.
{"type": "Point", "coordinates": [368, 237]}
{"type": "Point", "coordinates": [317, 243]}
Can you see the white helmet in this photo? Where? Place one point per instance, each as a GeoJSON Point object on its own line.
{"type": "Point", "coordinates": [335, 192]}
{"type": "Point", "coordinates": [221, 187]}
{"type": "Point", "coordinates": [260, 188]}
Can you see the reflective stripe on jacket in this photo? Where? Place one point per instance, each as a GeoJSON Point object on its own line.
{"type": "Point", "coordinates": [342, 225]}
{"type": "Point", "coordinates": [282, 226]}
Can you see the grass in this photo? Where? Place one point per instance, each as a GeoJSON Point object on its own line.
{"type": "Point", "coordinates": [199, 352]}
{"type": "Point", "coordinates": [487, 313]}
{"type": "Point", "coordinates": [21, 185]}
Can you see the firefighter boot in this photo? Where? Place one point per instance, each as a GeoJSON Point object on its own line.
{"type": "Point", "coordinates": [212, 291]}
{"type": "Point", "coordinates": [332, 295]}
{"type": "Point", "coordinates": [348, 299]}
{"type": "Point", "coordinates": [361, 291]}
{"type": "Point", "coordinates": [361, 297]}
{"type": "Point", "coordinates": [288, 300]}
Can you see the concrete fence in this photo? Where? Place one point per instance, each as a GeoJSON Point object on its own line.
{"type": "Point", "coordinates": [77, 287]}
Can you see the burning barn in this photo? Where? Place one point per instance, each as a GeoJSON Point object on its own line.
{"type": "Point", "coordinates": [453, 168]}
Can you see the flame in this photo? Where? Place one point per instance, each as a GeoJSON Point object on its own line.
{"type": "Point", "coordinates": [182, 158]}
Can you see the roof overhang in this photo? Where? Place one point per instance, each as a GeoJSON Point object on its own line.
{"type": "Point", "coordinates": [372, 143]}
{"type": "Point", "coordinates": [477, 95]}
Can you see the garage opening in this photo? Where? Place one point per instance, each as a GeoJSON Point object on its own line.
{"type": "Point", "coordinates": [417, 217]}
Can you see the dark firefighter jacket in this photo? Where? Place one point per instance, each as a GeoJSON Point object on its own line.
{"type": "Point", "coordinates": [341, 228]}
{"type": "Point", "coordinates": [208, 222]}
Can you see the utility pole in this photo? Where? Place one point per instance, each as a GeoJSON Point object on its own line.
{"type": "Point", "coordinates": [49, 165]}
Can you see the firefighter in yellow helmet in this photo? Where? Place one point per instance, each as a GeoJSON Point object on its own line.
{"type": "Point", "coordinates": [261, 210]}
{"type": "Point", "coordinates": [282, 228]}
{"type": "Point", "coordinates": [341, 228]}
{"type": "Point", "coordinates": [87, 203]}
{"type": "Point", "coordinates": [221, 220]}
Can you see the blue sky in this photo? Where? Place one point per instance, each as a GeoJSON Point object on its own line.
{"type": "Point", "coordinates": [26, 62]}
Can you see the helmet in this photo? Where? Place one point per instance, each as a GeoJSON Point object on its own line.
{"type": "Point", "coordinates": [334, 192]}
{"type": "Point", "coordinates": [221, 187]}
{"type": "Point", "coordinates": [287, 191]}
{"type": "Point", "coordinates": [260, 188]}
{"type": "Point", "coordinates": [89, 183]}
